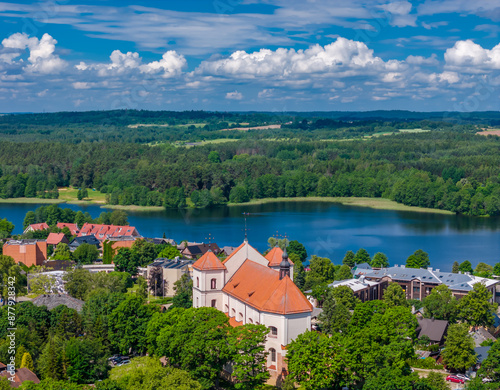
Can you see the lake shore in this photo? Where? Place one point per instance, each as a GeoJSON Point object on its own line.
{"type": "Point", "coordinates": [81, 203]}
{"type": "Point", "coordinates": [374, 203]}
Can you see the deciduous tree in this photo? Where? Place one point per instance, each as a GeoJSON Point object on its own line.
{"type": "Point", "coordinates": [458, 350]}
{"type": "Point", "coordinates": [475, 308]}
{"type": "Point", "coordinates": [441, 304]}
{"type": "Point", "coordinates": [394, 295]}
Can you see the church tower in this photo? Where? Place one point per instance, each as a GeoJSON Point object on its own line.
{"type": "Point", "coordinates": [284, 265]}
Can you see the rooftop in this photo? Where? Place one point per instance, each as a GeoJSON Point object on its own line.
{"type": "Point", "coordinates": [171, 264]}
{"type": "Point", "coordinates": [209, 262]}
{"type": "Point", "coordinates": [51, 301]}
{"type": "Point", "coordinates": [275, 256]}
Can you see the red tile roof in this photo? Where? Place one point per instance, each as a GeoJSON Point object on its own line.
{"type": "Point", "coordinates": [209, 262]}
{"type": "Point", "coordinates": [73, 227]}
{"type": "Point", "coordinates": [39, 226]}
{"type": "Point", "coordinates": [21, 375]}
{"type": "Point", "coordinates": [260, 287]}
{"type": "Point", "coordinates": [55, 238]}
{"type": "Point", "coordinates": [233, 322]}
{"type": "Point", "coordinates": [101, 232]}
{"type": "Point", "coordinates": [275, 256]}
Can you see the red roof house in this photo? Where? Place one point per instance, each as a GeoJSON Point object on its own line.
{"type": "Point", "coordinates": [36, 226]}
{"type": "Point", "coordinates": [103, 232]}
{"type": "Point", "coordinates": [73, 227]}
{"type": "Point", "coordinates": [56, 238]}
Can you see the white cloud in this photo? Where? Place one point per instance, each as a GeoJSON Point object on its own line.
{"type": "Point", "coordinates": [419, 60]}
{"type": "Point", "coordinates": [400, 13]}
{"type": "Point", "coordinates": [467, 54]}
{"type": "Point", "coordinates": [81, 85]}
{"type": "Point", "coordinates": [342, 57]}
{"type": "Point", "coordinates": [265, 93]}
{"type": "Point", "coordinates": [42, 58]}
{"type": "Point", "coordinates": [450, 77]}
{"type": "Point", "coordinates": [170, 65]}
{"type": "Point", "coordinates": [235, 95]}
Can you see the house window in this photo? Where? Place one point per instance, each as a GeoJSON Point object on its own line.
{"type": "Point", "coordinates": [272, 352]}
{"type": "Point", "coordinates": [214, 302]}
{"type": "Point", "coordinates": [213, 284]}
{"type": "Point", "coordinates": [198, 282]}
{"type": "Point", "coordinates": [240, 316]}
{"type": "Point", "coordinates": [226, 309]}
{"type": "Point", "coordinates": [250, 321]}
{"type": "Point", "coordinates": [233, 312]}
{"type": "Point", "coordinates": [273, 331]}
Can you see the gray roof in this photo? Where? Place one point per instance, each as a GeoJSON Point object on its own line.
{"type": "Point", "coordinates": [460, 282]}
{"type": "Point", "coordinates": [171, 264]}
{"type": "Point", "coordinates": [51, 301]}
{"type": "Point", "coordinates": [482, 353]}
{"type": "Point", "coordinates": [481, 335]}
{"type": "Point", "coordinates": [90, 239]}
{"type": "Point", "coordinates": [434, 329]}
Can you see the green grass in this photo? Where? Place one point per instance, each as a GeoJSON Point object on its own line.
{"type": "Point", "coordinates": [197, 125]}
{"type": "Point", "coordinates": [374, 203]}
{"type": "Point", "coordinates": [132, 207]}
{"type": "Point", "coordinates": [31, 200]}
{"type": "Point", "coordinates": [69, 194]}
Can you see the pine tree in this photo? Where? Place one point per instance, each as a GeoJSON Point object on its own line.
{"type": "Point", "coordinates": [27, 362]}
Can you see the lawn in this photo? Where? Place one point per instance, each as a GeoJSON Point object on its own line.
{"type": "Point", "coordinates": [70, 195]}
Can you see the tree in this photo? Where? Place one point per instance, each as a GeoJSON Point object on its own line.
{"type": "Point", "coordinates": [455, 267]}
{"type": "Point", "coordinates": [62, 252]}
{"type": "Point", "coordinates": [239, 194]}
{"type": "Point", "coordinates": [156, 282]}
{"type": "Point", "coordinates": [183, 297]}
{"type": "Point", "coordinates": [475, 308]}
{"type": "Point", "coordinates": [214, 157]}
{"type": "Point", "coordinates": [490, 367]}
{"type": "Point", "coordinates": [249, 356]}
{"type": "Point", "coordinates": [322, 268]}
{"type": "Point", "coordinates": [441, 304]}
{"type": "Point", "coordinates": [40, 283]}
{"type": "Point", "coordinates": [148, 373]}
{"type": "Point", "coordinates": [118, 218]}
{"type": "Point", "coordinates": [6, 228]}
{"type": "Point", "coordinates": [380, 260]}
{"type": "Point", "coordinates": [142, 287]}
{"type": "Point", "coordinates": [483, 270]}
{"type": "Point", "coordinates": [27, 362]}
{"type": "Point", "coordinates": [78, 282]}
{"type": "Point", "coordinates": [198, 342]}
{"type": "Point", "coordinates": [125, 261]}
{"type": "Point", "coordinates": [10, 271]}
{"type": "Point", "coordinates": [297, 248]}
{"type": "Point", "coordinates": [144, 252]}
{"type": "Point", "coordinates": [465, 266]}
{"type": "Point", "coordinates": [496, 269]}
{"type": "Point", "coordinates": [335, 316]}
{"type": "Point", "coordinates": [108, 252]}
{"type": "Point", "coordinates": [349, 259]}
{"type": "Point", "coordinates": [343, 273]}
{"type": "Point", "coordinates": [128, 323]}
{"type": "Point", "coordinates": [29, 219]}
{"type": "Point", "coordinates": [85, 253]}
{"type": "Point", "coordinates": [419, 259]}
{"type": "Point", "coordinates": [458, 350]}
{"type": "Point", "coordinates": [169, 252]}
{"type": "Point", "coordinates": [394, 295]}
{"type": "Point", "coordinates": [362, 256]}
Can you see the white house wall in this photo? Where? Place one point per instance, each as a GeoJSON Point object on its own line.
{"type": "Point", "coordinates": [238, 258]}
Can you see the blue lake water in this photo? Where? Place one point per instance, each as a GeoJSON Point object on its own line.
{"type": "Point", "coordinates": [325, 229]}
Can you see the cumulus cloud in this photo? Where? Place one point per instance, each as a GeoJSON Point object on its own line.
{"type": "Point", "coordinates": [419, 60]}
{"type": "Point", "coordinates": [235, 95]}
{"type": "Point", "coordinates": [343, 56]}
{"type": "Point", "coordinates": [400, 13]}
{"type": "Point", "coordinates": [170, 65]}
{"type": "Point", "coordinates": [42, 58]}
{"type": "Point", "coordinates": [468, 54]}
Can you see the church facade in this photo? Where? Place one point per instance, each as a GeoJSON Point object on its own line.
{"type": "Point", "coordinates": [252, 289]}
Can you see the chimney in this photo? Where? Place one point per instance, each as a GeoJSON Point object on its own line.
{"type": "Point", "coordinates": [438, 270]}
{"type": "Point", "coordinates": [429, 268]}
{"type": "Point", "coordinates": [403, 266]}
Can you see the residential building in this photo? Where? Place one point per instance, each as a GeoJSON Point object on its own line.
{"type": "Point", "coordinates": [248, 291]}
{"type": "Point", "coordinates": [90, 239]}
{"type": "Point", "coordinates": [56, 238]}
{"type": "Point", "coordinates": [73, 227]}
{"type": "Point", "coordinates": [21, 375]}
{"type": "Point", "coordinates": [103, 232]}
{"type": "Point", "coordinates": [99, 267]}
{"type": "Point", "coordinates": [28, 252]}
{"type": "Point", "coordinates": [172, 271]}
{"type": "Point", "coordinates": [432, 328]}
{"type": "Point", "coordinates": [122, 242]}
{"type": "Point", "coordinates": [36, 226]}
{"type": "Point", "coordinates": [418, 283]}
{"type": "Point", "coordinates": [197, 250]}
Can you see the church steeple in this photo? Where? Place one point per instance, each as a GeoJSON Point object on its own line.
{"type": "Point", "coordinates": [284, 265]}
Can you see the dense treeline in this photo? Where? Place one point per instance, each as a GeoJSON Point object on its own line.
{"type": "Point", "coordinates": [439, 169]}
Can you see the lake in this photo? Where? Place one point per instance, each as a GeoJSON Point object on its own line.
{"type": "Point", "coordinates": [326, 229]}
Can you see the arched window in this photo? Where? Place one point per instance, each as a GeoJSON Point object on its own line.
{"type": "Point", "coordinates": [226, 309]}
{"type": "Point", "coordinates": [273, 331]}
{"type": "Point", "coordinates": [240, 316]}
{"type": "Point", "coordinates": [233, 312]}
{"type": "Point", "coordinates": [198, 282]}
{"type": "Point", "coordinates": [250, 321]}
{"type": "Point", "coordinates": [272, 353]}
{"type": "Point", "coordinates": [213, 284]}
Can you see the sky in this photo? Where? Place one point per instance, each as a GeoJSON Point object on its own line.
{"type": "Point", "coordinates": [250, 55]}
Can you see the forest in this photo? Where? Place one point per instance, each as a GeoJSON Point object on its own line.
{"type": "Point", "coordinates": [194, 159]}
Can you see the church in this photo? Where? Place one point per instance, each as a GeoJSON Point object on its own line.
{"type": "Point", "coordinates": [252, 289]}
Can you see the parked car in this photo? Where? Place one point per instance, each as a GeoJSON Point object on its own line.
{"type": "Point", "coordinates": [455, 379]}
{"type": "Point", "coordinates": [462, 376]}
{"type": "Point", "coordinates": [123, 362]}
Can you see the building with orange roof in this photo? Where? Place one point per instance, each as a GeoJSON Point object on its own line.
{"type": "Point", "coordinates": [56, 238]}
{"type": "Point", "coordinates": [28, 252]}
{"type": "Point", "coordinates": [252, 289]}
{"type": "Point", "coordinates": [103, 232]}
{"type": "Point", "coordinates": [36, 226]}
{"type": "Point", "coordinates": [73, 227]}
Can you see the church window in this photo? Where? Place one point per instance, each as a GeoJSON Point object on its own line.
{"type": "Point", "coordinates": [213, 284]}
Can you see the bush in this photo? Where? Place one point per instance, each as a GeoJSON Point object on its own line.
{"type": "Point", "coordinates": [428, 363]}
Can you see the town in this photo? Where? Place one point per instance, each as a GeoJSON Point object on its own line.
{"type": "Point", "coordinates": [118, 298]}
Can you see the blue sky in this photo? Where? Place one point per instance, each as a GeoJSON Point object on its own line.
{"type": "Point", "coordinates": [240, 55]}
